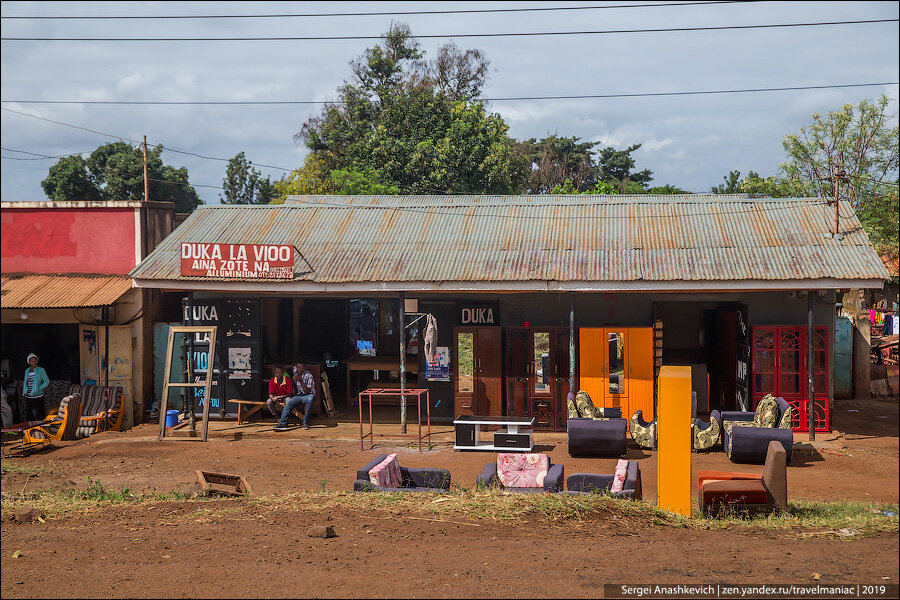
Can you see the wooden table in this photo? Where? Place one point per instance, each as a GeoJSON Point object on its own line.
{"type": "Point", "coordinates": [516, 438]}
{"type": "Point", "coordinates": [412, 392]}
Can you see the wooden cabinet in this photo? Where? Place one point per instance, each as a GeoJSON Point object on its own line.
{"type": "Point", "coordinates": [616, 368]}
{"type": "Point", "coordinates": [537, 375]}
{"type": "Point", "coordinates": [477, 368]}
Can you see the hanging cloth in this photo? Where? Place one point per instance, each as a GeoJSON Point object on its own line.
{"type": "Point", "coordinates": [430, 338]}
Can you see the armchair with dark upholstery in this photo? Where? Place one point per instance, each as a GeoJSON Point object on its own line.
{"type": "Point", "coordinates": [745, 442]}
{"type": "Point", "coordinates": [414, 480]}
{"type": "Point", "coordinates": [553, 481]}
{"type": "Point", "coordinates": [591, 483]}
{"type": "Point", "coordinates": [747, 491]}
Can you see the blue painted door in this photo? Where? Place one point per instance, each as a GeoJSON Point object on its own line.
{"type": "Point", "coordinates": [843, 358]}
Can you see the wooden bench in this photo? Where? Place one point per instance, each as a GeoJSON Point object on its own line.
{"type": "Point", "coordinates": [254, 406]}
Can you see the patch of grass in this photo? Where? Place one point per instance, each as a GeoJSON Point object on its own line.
{"type": "Point", "coordinates": [9, 466]}
{"type": "Point", "coordinates": [93, 496]}
{"type": "Point", "coordinates": [863, 517]}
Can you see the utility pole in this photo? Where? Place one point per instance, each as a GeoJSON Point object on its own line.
{"type": "Point", "coordinates": [146, 181]}
{"type": "Point", "coordinates": [837, 177]}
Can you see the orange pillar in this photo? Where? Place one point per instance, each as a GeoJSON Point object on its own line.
{"type": "Point", "coordinates": [673, 453]}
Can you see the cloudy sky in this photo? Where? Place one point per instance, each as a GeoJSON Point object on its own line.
{"type": "Point", "coordinates": [688, 141]}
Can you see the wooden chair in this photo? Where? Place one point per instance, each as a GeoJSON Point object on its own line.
{"type": "Point", "coordinates": [61, 426]}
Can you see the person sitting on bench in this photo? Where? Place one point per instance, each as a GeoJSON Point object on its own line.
{"type": "Point", "coordinates": [280, 389]}
{"type": "Point", "coordinates": [306, 394]}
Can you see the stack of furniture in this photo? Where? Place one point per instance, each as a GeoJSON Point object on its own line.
{"type": "Point", "coordinates": [594, 431]}
{"type": "Point", "coordinates": [746, 435]}
{"type": "Point", "coordinates": [101, 408]}
{"type": "Point", "coordinates": [384, 474]}
{"type": "Point", "coordinates": [748, 492]}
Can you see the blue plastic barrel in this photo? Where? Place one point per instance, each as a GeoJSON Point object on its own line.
{"type": "Point", "coordinates": [171, 418]}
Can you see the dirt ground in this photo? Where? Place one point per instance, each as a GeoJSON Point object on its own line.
{"type": "Point", "coordinates": [241, 549]}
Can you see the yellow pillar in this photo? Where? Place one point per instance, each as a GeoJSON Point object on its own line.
{"type": "Point", "coordinates": [673, 454]}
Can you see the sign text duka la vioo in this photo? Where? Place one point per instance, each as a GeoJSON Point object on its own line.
{"type": "Point", "coordinates": [242, 261]}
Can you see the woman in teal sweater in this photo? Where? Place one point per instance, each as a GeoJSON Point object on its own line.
{"type": "Point", "coordinates": [33, 386]}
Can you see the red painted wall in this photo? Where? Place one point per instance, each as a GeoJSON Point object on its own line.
{"type": "Point", "coordinates": [67, 240]}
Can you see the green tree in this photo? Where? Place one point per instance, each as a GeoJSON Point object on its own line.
{"type": "Point", "coordinates": [860, 142]}
{"type": "Point", "coordinates": [775, 186]}
{"type": "Point", "coordinates": [617, 167]}
{"type": "Point", "coordinates": [115, 171]}
{"type": "Point", "coordinates": [667, 189]}
{"type": "Point", "coordinates": [406, 123]}
{"type": "Point", "coordinates": [553, 161]}
{"type": "Point", "coordinates": [313, 178]}
{"type": "Point", "coordinates": [732, 184]}
{"type": "Point", "coordinates": [69, 179]}
{"type": "Point", "coordinates": [239, 183]}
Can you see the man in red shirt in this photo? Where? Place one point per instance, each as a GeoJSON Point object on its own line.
{"type": "Point", "coordinates": [280, 389]}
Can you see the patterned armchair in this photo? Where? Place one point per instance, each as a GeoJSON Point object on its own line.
{"type": "Point", "coordinates": [642, 432]}
{"type": "Point", "coordinates": [705, 434]}
{"type": "Point", "coordinates": [59, 426]}
{"type": "Point", "coordinates": [522, 473]}
{"type": "Point", "coordinates": [746, 435]}
{"type": "Point", "coordinates": [101, 408]}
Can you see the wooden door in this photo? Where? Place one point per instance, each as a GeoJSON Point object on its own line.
{"type": "Point", "coordinates": [542, 378]}
{"type": "Point", "coordinates": [639, 366]}
{"type": "Point", "coordinates": [488, 371]}
{"type": "Point", "coordinates": [517, 372]}
{"type": "Point", "coordinates": [561, 375]}
{"type": "Point", "coordinates": [616, 386]}
{"type": "Point", "coordinates": [464, 389]}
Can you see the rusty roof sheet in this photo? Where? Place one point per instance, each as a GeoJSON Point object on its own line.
{"type": "Point", "coordinates": [539, 238]}
{"type": "Point", "coordinates": [29, 290]}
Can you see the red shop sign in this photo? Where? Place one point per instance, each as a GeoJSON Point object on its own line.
{"type": "Point", "coordinates": [243, 261]}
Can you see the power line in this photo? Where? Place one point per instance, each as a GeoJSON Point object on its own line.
{"type": "Point", "coordinates": [123, 138]}
{"type": "Point", "coordinates": [432, 36]}
{"type": "Point", "coordinates": [375, 14]}
{"type": "Point", "coordinates": [40, 156]}
{"type": "Point", "coordinates": [497, 99]}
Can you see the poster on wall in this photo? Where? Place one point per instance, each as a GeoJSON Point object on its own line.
{"type": "Point", "coordinates": [239, 363]}
{"type": "Point", "coordinates": [439, 369]}
{"type": "Point", "coordinates": [364, 326]}
{"type": "Point", "coordinates": [90, 355]}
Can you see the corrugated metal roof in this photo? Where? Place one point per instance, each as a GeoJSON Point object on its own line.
{"type": "Point", "coordinates": [539, 238]}
{"type": "Point", "coordinates": [29, 290]}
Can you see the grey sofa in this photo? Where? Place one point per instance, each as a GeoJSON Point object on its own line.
{"type": "Point", "coordinates": [414, 480]}
{"type": "Point", "coordinates": [748, 444]}
{"type": "Point", "coordinates": [588, 437]}
{"type": "Point", "coordinates": [591, 483]}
